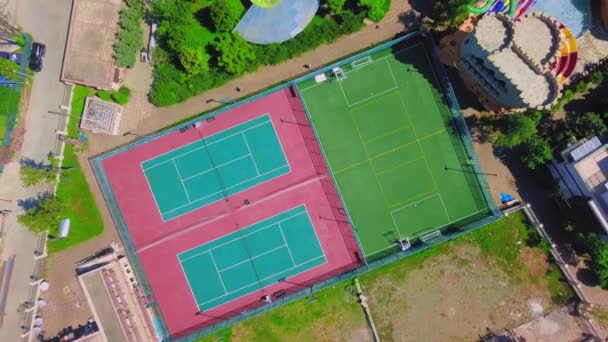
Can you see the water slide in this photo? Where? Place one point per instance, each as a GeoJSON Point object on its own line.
{"type": "Point", "coordinates": [498, 6]}
{"type": "Point", "coordinates": [569, 55]}
{"type": "Point", "coordinates": [483, 9]}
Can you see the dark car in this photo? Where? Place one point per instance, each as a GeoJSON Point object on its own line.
{"type": "Point", "coordinates": [11, 56]}
{"type": "Point", "coordinates": [37, 56]}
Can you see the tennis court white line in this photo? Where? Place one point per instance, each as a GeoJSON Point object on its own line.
{"type": "Point", "coordinates": [286, 245]}
{"type": "Point", "coordinates": [187, 281]}
{"type": "Point", "coordinates": [261, 280]}
{"type": "Point", "coordinates": [206, 145]}
{"type": "Point", "coordinates": [226, 188]}
{"type": "Point", "coordinates": [218, 273]}
{"type": "Point", "coordinates": [251, 154]}
{"type": "Point", "coordinates": [251, 258]}
{"type": "Point", "coordinates": [181, 181]}
{"type": "Point", "coordinates": [374, 61]}
{"type": "Point", "coordinates": [241, 235]}
{"type": "Point", "coordinates": [216, 167]}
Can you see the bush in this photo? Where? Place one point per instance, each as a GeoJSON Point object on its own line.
{"type": "Point", "coordinates": [336, 5]}
{"type": "Point", "coordinates": [20, 40]}
{"type": "Point", "coordinates": [597, 77]}
{"type": "Point", "coordinates": [376, 9]}
{"type": "Point", "coordinates": [31, 176]}
{"type": "Point", "coordinates": [105, 95]}
{"type": "Point", "coordinates": [537, 153]}
{"type": "Point", "coordinates": [598, 249]}
{"type": "Point", "coordinates": [517, 128]}
{"type": "Point", "coordinates": [586, 125]}
{"type": "Point", "coordinates": [122, 96]}
{"type": "Point", "coordinates": [449, 14]}
{"type": "Point", "coordinates": [225, 14]}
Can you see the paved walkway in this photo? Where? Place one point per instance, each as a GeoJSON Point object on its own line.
{"type": "Point", "coordinates": [66, 301]}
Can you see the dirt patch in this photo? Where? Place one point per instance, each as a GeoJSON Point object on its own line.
{"type": "Point", "coordinates": [454, 296]}
{"type": "Point", "coordinates": [536, 260]}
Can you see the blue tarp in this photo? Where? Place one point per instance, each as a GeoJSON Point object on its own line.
{"type": "Point", "coordinates": [276, 24]}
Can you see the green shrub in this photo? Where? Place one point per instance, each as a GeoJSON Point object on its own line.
{"type": "Point", "coordinates": [9, 69]}
{"type": "Point", "coordinates": [336, 5]}
{"type": "Point", "coordinates": [597, 77]}
{"type": "Point", "coordinates": [376, 9]}
{"type": "Point", "coordinates": [20, 40]}
{"type": "Point", "coordinates": [122, 96]}
{"type": "Point", "coordinates": [104, 95]}
{"type": "Point", "coordinates": [517, 128]}
{"type": "Point", "coordinates": [537, 152]}
{"type": "Point", "coordinates": [225, 14]}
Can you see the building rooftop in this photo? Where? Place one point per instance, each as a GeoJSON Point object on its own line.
{"type": "Point", "coordinates": [89, 55]}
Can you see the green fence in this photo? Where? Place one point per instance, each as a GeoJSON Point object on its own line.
{"type": "Point", "coordinates": [298, 291]}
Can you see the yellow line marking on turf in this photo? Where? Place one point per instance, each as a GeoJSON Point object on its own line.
{"type": "Point", "coordinates": [401, 165]}
{"type": "Point", "coordinates": [387, 152]}
{"type": "Point", "coordinates": [369, 159]}
{"type": "Point", "coordinates": [386, 134]}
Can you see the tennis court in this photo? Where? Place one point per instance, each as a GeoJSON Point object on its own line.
{"type": "Point", "coordinates": [215, 167]}
{"type": "Point", "coordinates": [390, 142]}
{"type": "Point", "coordinates": [252, 258]}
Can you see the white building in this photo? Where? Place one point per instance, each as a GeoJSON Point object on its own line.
{"type": "Point", "coordinates": [581, 170]}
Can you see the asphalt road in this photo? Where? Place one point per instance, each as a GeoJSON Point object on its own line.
{"type": "Point", "coordinates": [47, 21]}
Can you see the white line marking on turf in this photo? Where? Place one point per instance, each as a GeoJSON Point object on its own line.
{"type": "Point", "coordinates": [218, 272]}
{"type": "Point", "coordinates": [286, 244]}
{"type": "Point", "coordinates": [408, 205]}
{"type": "Point", "coordinates": [444, 208]}
{"type": "Point", "coordinates": [251, 154]}
{"type": "Point", "coordinates": [181, 180]}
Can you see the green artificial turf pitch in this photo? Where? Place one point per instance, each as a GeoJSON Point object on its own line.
{"type": "Point", "coordinates": [389, 140]}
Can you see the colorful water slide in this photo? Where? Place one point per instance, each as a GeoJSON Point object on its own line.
{"type": "Point", "coordinates": [568, 57]}
{"type": "Point", "coordinates": [515, 8]}
{"type": "Point", "coordinates": [483, 9]}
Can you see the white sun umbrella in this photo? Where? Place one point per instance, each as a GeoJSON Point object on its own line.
{"type": "Point", "coordinates": [44, 286]}
{"type": "Point", "coordinates": [64, 228]}
{"type": "Point", "coordinates": [38, 321]}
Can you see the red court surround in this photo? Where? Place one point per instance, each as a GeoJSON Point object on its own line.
{"type": "Point", "coordinates": [158, 242]}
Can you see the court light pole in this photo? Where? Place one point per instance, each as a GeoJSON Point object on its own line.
{"type": "Point", "coordinates": [132, 133]}
{"type": "Point", "coordinates": [294, 123]}
{"type": "Point", "coordinates": [283, 280]}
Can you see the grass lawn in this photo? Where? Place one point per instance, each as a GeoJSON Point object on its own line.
{"type": "Point", "coordinates": [9, 105]}
{"type": "Point", "coordinates": [495, 277]}
{"type": "Point", "coordinates": [73, 189]}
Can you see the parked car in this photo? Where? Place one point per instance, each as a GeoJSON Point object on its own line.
{"type": "Point", "coordinates": [37, 56]}
{"type": "Point", "coordinates": [11, 56]}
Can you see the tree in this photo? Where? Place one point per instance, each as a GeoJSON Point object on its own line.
{"type": "Point", "coordinates": [538, 152]}
{"type": "Point", "coordinates": [376, 9]}
{"type": "Point", "coordinates": [234, 54]}
{"type": "Point", "coordinates": [598, 249]}
{"type": "Point", "coordinates": [517, 128]}
{"type": "Point", "coordinates": [336, 5]}
{"type": "Point", "coordinates": [31, 175]}
{"type": "Point", "coordinates": [225, 14]}
{"type": "Point", "coordinates": [587, 125]}
{"type": "Point", "coordinates": [448, 14]}
{"type": "Point", "coordinates": [121, 96]}
{"type": "Point", "coordinates": [129, 39]}
{"type": "Point", "coordinates": [194, 61]}
{"type": "Point", "coordinates": [45, 216]}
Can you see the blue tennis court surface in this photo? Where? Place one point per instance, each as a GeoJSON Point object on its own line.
{"type": "Point", "coordinates": [252, 258]}
{"type": "Point", "coordinates": [215, 167]}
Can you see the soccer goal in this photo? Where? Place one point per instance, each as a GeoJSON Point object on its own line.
{"type": "Point", "coordinates": [404, 244]}
{"type": "Point", "coordinates": [361, 62]}
{"type": "Point", "coordinates": [430, 236]}
{"type": "Point", "coordinates": [339, 73]}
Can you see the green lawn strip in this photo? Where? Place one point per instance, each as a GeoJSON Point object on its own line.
{"type": "Point", "coordinates": [9, 105]}
{"type": "Point", "coordinates": [74, 192]}
{"type": "Point", "coordinates": [78, 99]}
{"type": "Point", "coordinates": [333, 316]}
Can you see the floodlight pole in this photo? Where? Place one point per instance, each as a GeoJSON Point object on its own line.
{"type": "Point", "coordinates": [473, 172]}
{"type": "Point", "coordinates": [294, 123]}
{"type": "Point", "coordinates": [330, 219]}
{"type": "Point", "coordinates": [131, 133]}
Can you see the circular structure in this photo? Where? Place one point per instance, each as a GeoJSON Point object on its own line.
{"type": "Point", "coordinates": [266, 3]}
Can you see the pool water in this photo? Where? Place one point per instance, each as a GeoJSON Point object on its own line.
{"type": "Point", "coordinates": [575, 14]}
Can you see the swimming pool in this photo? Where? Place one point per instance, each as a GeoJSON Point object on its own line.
{"type": "Point", "coordinates": [575, 14]}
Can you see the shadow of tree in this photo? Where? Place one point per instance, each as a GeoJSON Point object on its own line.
{"type": "Point", "coordinates": [424, 7]}
{"type": "Point", "coordinates": [587, 277]}
{"type": "Point", "coordinates": [411, 20]}
{"type": "Point", "coordinates": [32, 202]}
{"type": "Point", "coordinates": [29, 162]}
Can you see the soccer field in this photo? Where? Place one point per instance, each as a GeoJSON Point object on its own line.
{"type": "Point", "coordinates": [392, 147]}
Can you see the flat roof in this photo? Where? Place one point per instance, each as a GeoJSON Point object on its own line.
{"type": "Point", "coordinates": [88, 58]}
